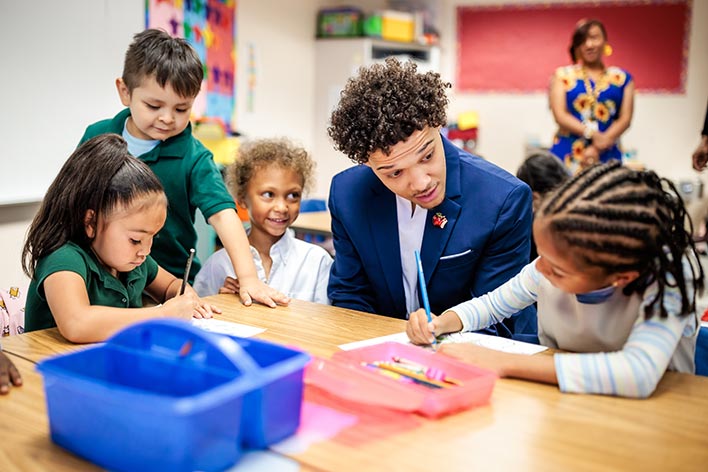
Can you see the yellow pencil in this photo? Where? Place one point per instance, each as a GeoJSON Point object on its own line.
{"type": "Point", "coordinates": [430, 372]}
{"type": "Point", "coordinates": [411, 374]}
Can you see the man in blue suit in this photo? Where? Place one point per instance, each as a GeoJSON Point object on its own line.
{"type": "Point", "coordinates": [415, 190]}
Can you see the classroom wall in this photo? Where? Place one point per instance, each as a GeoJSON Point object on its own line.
{"type": "Point", "coordinates": [665, 129]}
{"type": "Point", "coordinates": [52, 50]}
{"type": "Point", "coordinates": [282, 46]}
{"type": "Point", "coordinates": [14, 221]}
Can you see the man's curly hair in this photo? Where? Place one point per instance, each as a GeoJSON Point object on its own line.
{"type": "Point", "coordinates": [383, 105]}
{"type": "Point", "coordinates": [260, 154]}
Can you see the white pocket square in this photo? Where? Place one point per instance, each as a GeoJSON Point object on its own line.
{"type": "Point", "coordinates": [454, 256]}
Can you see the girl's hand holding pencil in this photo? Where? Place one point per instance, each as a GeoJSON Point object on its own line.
{"type": "Point", "coordinates": [182, 306]}
{"type": "Point", "coordinates": [186, 303]}
{"type": "Point", "coordinates": [189, 305]}
{"type": "Point", "coordinates": [422, 332]}
{"type": "Point", "coordinates": [419, 330]}
{"type": "Point", "coordinates": [188, 295]}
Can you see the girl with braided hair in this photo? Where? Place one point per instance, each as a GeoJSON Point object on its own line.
{"type": "Point", "coordinates": [615, 283]}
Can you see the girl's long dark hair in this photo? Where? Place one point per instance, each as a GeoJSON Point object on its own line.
{"type": "Point", "coordinates": [98, 176]}
{"type": "Point", "coordinates": [620, 220]}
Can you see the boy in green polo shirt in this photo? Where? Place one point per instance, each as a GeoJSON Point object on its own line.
{"type": "Point", "coordinates": [161, 78]}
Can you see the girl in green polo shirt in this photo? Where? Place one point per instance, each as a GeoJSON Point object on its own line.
{"type": "Point", "coordinates": [87, 250]}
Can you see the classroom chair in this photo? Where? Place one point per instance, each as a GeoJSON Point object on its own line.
{"type": "Point", "coordinates": [310, 205]}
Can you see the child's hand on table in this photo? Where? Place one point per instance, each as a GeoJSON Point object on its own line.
{"type": "Point", "coordinates": [418, 329]}
{"type": "Point", "coordinates": [489, 359]}
{"type": "Point", "coordinates": [253, 288]}
{"type": "Point", "coordinates": [231, 285]}
{"type": "Point", "coordinates": [189, 305]}
{"type": "Point", "coordinates": [9, 375]}
{"type": "Point", "coordinates": [203, 309]}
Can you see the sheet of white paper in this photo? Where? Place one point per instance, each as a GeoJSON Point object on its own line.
{"type": "Point", "coordinates": [227, 327]}
{"type": "Point", "coordinates": [398, 337]}
{"type": "Point", "coordinates": [493, 342]}
{"type": "Point", "coordinates": [484, 340]}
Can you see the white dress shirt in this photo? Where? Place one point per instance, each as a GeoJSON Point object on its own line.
{"type": "Point", "coordinates": [410, 237]}
{"type": "Point", "coordinates": [300, 270]}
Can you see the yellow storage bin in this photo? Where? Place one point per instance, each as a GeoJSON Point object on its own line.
{"type": "Point", "coordinates": [397, 26]}
{"type": "Point", "coordinates": [213, 136]}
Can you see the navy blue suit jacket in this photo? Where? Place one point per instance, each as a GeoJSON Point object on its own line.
{"type": "Point", "coordinates": [486, 240]}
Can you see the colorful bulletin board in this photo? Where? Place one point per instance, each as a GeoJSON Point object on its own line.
{"type": "Point", "coordinates": [209, 26]}
{"type": "Point", "coordinates": [516, 48]}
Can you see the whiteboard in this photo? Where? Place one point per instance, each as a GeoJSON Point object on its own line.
{"type": "Point", "coordinates": [59, 61]}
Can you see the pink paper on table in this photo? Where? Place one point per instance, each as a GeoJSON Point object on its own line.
{"type": "Point", "coordinates": [317, 423]}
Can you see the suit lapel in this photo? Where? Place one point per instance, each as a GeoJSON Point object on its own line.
{"type": "Point", "coordinates": [435, 238]}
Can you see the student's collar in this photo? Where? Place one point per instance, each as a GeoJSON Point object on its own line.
{"type": "Point", "coordinates": [283, 246]}
{"type": "Point", "coordinates": [596, 296]}
{"type": "Point", "coordinates": [95, 266]}
{"type": "Point", "coordinates": [176, 147]}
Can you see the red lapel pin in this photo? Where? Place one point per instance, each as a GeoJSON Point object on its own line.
{"type": "Point", "coordinates": [439, 220]}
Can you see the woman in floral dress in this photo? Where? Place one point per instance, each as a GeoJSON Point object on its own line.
{"type": "Point", "coordinates": [591, 103]}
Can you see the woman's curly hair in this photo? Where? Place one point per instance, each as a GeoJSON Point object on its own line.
{"type": "Point", "coordinates": [383, 105]}
{"type": "Point", "coordinates": [263, 153]}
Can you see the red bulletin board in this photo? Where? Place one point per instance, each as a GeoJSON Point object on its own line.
{"type": "Point", "coordinates": [516, 48]}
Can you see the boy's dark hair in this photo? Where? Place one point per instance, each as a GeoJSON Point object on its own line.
{"type": "Point", "coordinates": [383, 105]}
{"type": "Point", "coordinates": [581, 33]}
{"type": "Point", "coordinates": [256, 155]}
{"type": "Point", "coordinates": [621, 219]}
{"type": "Point", "coordinates": [170, 60]}
{"type": "Point", "coordinates": [100, 175]}
{"type": "Point", "coordinates": [542, 171]}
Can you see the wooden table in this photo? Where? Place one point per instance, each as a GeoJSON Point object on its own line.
{"type": "Point", "coordinates": [314, 222]}
{"type": "Point", "coordinates": [526, 426]}
{"type": "Point", "coordinates": [24, 428]}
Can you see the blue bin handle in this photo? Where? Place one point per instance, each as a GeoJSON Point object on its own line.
{"type": "Point", "coordinates": [146, 336]}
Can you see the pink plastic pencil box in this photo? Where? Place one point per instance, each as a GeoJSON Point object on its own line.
{"type": "Point", "coordinates": [344, 376]}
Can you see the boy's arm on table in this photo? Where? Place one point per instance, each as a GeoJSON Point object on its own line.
{"type": "Point", "coordinates": [80, 322]}
{"type": "Point", "coordinates": [230, 230]}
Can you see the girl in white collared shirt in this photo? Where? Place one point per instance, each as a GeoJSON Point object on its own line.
{"type": "Point", "coordinates": [269, 178]}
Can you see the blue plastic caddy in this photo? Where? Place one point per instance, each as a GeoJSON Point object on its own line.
{"type": "Point", "coordinates": [271, 412]}
{"type": "Point", "coordinates": [165, 395]}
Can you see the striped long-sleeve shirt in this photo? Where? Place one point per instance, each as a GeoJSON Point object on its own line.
{"type": "Point", "coordinates": [613, 349]}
